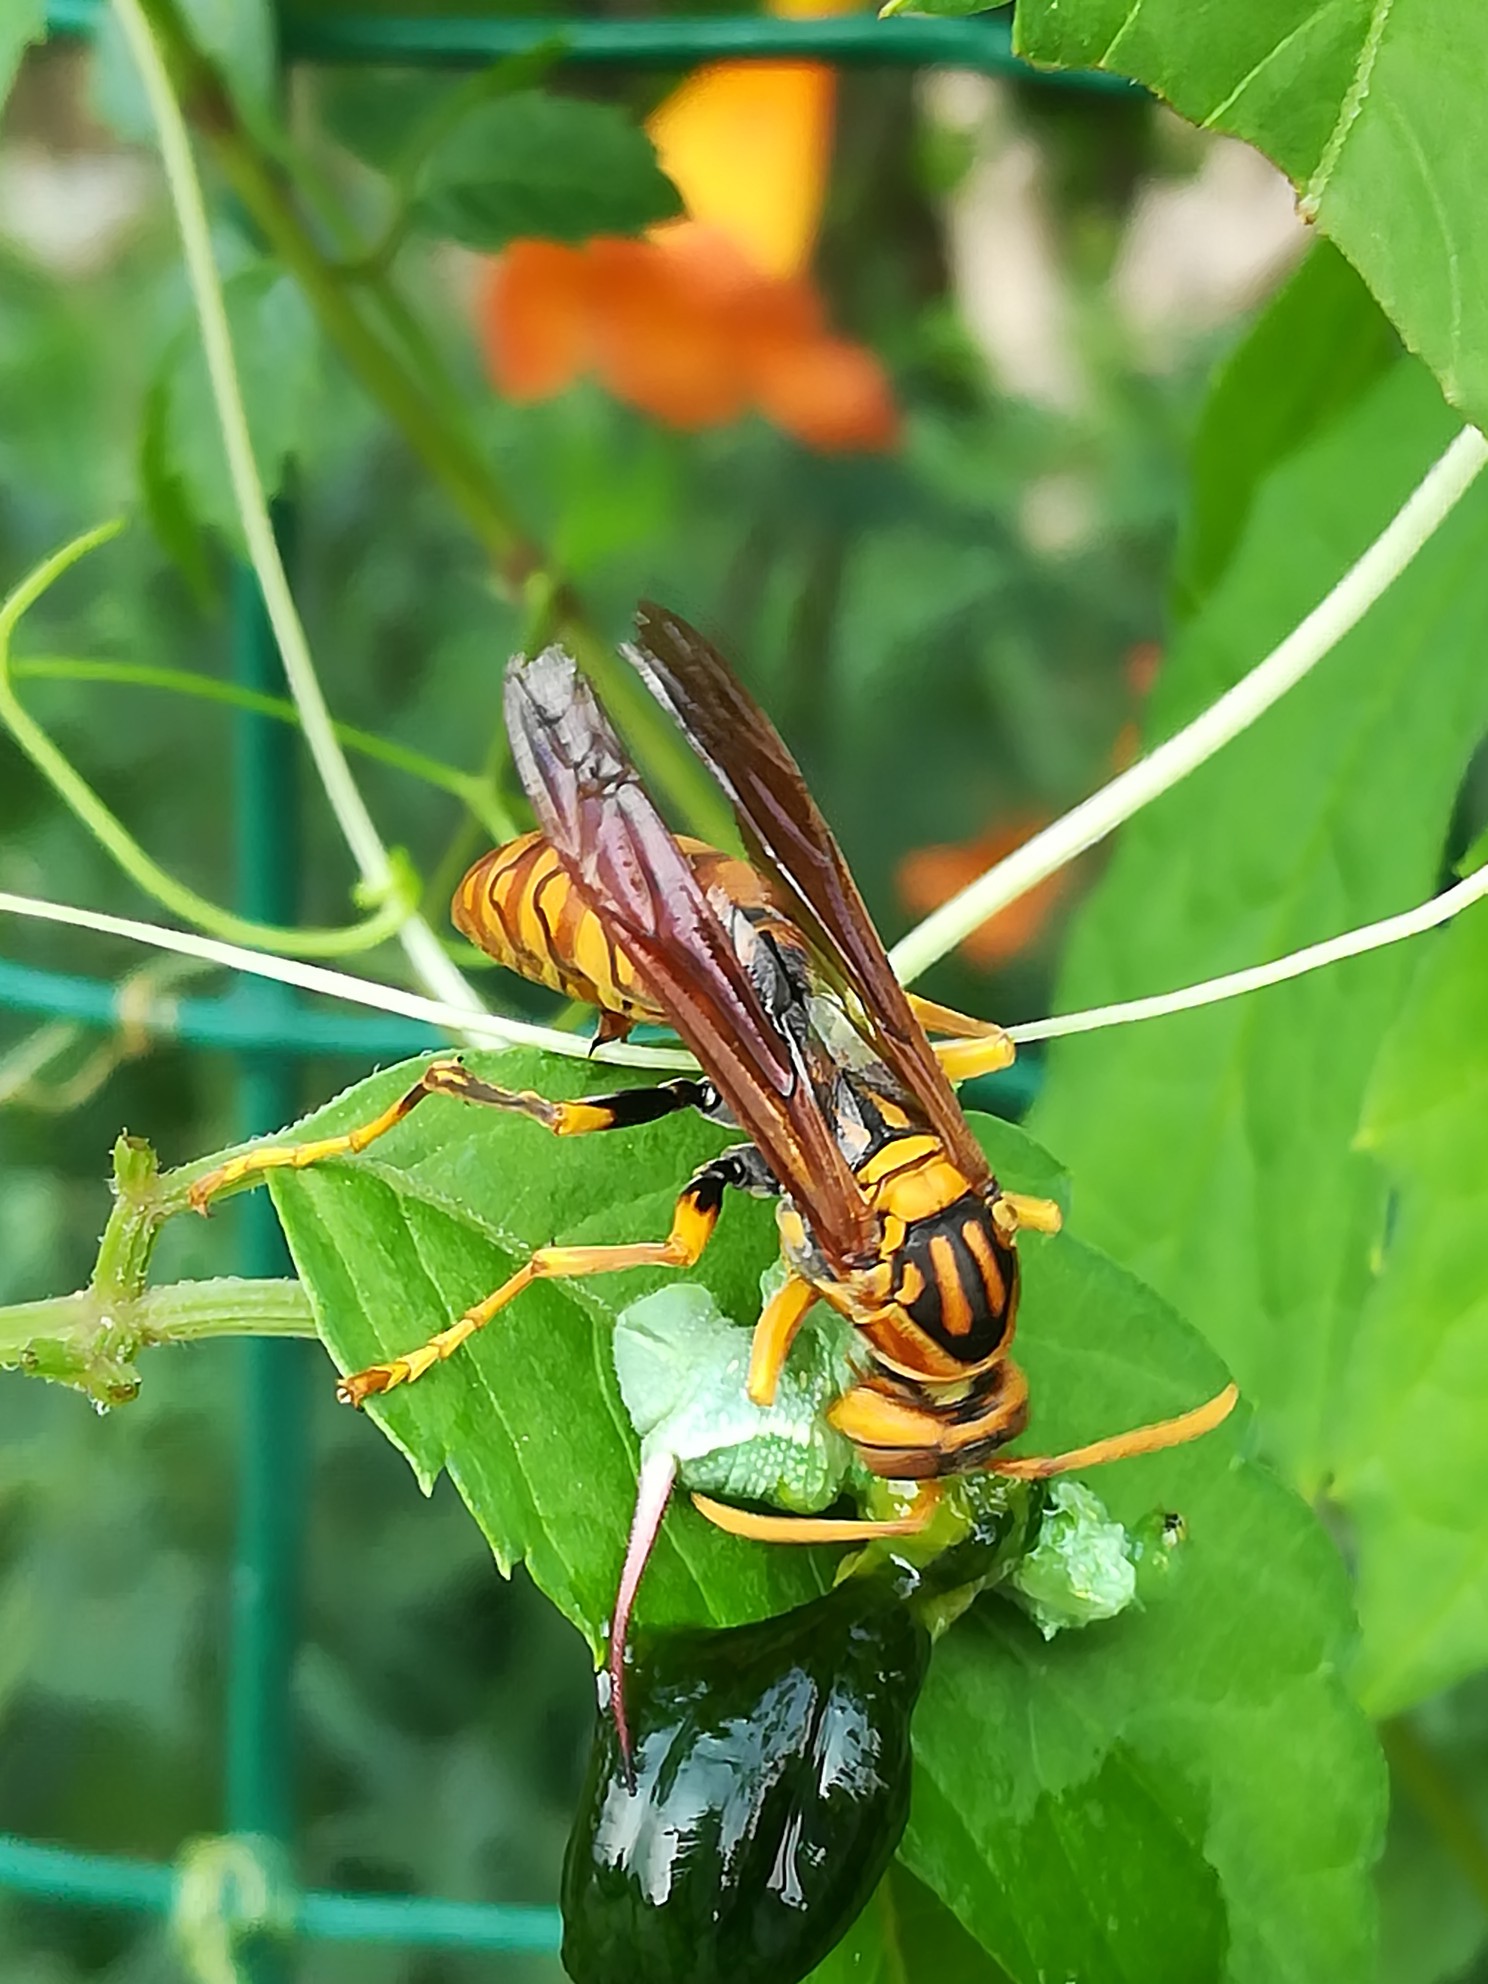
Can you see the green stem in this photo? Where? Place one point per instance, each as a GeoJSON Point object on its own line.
{"type": "Point", "coordinates": [268, 201]}
{"type": "Point", "coordinates": [377, 865]}
{"type": "Point", "coordinates": [133, 1226]}
{"type": "Point", "coordinates": [58, 1318]}
{"type": "Point", "coordinates": [463, 845]}
{"type": "Point", "coordinates": [474, 790]}
{"type": "Point", "coordinates": [194, 1311]}
{"type": "Point", "coordinates": [91, 1339]}
{"type": "Point", "coordinates": [439, 441]}
{"type": "Point", "coordinates": [116, 840]}
{"type": "Point", "coordinates": [178, 1312]}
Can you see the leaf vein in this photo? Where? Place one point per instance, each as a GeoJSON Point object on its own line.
{"type": "Point", "coordinates": [1348, 110]}
{"type": "Point", "coordinates": [1256, 69]}
{"type": "Point", "coordinates": [1421, 158]}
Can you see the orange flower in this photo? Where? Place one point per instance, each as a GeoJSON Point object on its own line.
{"type": "Point", "coordinates": [830, 394]}
{"type": "Point", "coordinates": [661, 334]}
{"type": "Point", "coordinates": [537, 316]}
{"type": "Point", "coordinates": [1140, 667]}
{"type": "Point", "coordinates": [685, 329]}
{"type": "Point", "coordinates": [748, 145]}
{"type": "Point", "coordinates": [932, 875]}
{"type": "Point", "coordinates": [716, 314]}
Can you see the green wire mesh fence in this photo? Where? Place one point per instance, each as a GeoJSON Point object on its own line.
{"type": "Point", "coordinates": [264, 1026]}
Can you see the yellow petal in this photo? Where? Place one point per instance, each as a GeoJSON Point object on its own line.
{"type": "Point", "coordinates": [747, 145]}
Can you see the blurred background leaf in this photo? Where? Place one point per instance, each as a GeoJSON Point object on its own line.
{"type": "Point", "coordinates": [1091, 1806]}
{"type": "Point", "coordinates": [24, 23]}
{"type": "Point", "coordinates": [278, 352]}
{"type": "Point", "coordinates": [239, 35]}
{"type": "Point", "coordinates": [958, 627]}
{"type": "Point", "coordinates": [1233, 1185]}
{"type": "Point", "coordinates": [1417, 1382]}
{"type": "Point", "coordinates": [1369, 110]}
{"type": "Point", "coordinates": [1319, 347]}
{"type": "Point", "coordinates": [546, 166]}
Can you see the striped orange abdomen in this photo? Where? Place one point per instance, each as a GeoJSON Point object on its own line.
{"type": "Point", "coordinates": [519, 906]}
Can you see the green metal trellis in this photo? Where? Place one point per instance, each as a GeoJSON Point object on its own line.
{"type": "Point", "coordinates": [263, 1025]}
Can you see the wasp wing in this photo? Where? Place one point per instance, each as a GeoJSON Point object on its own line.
{"type": "Point", "coordinates": [622, 858]}
{"type": "Point", "coordinates": [782, 826]}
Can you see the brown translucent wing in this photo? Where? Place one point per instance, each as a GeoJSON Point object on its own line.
{"type": "Point", "coordinates": [623, 860]}
{"type": "Point", "coordinates": [783, 828]}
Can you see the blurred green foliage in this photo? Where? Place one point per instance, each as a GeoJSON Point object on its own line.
{"type": "Point", "coordinates": [943, 663]}
{"type": "Point", "coordinates": [444, 1714]}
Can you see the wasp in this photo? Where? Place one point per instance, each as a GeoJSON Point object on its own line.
{"type": "Point", "coordinates": [770, 970]}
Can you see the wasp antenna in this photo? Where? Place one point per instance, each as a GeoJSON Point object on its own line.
{"type": "Point", "coordinates": [1124, 1446]}
{"type": "Point", "coordinates": [820, 1529]}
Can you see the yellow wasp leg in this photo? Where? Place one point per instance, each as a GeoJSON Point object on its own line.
{"type": "Point", "coordinates": [1011, 1211]}
{"type": "Point", "coordinates": [452, 1078]}
{"type": "Point", "coordinates": [964, 1060]}
{"type": "Point", "coordinates": [977, 1047]}
{"type": "Point", "coordinates": [774, 1334]}
{"type": "Point", "coordinates": [819, 1529]}
{"type": "Point", "coordinates": [693, 1222]}
{"type": "Point", "coordinates": [945, 1019]}
{"type": "Point", "coordinates": [1124, 1446]}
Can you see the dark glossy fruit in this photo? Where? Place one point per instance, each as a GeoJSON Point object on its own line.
{"type": "Point", "coordinates": [772, 1774]}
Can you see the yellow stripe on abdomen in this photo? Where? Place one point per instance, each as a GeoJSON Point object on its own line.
{"type": "Point", "coordinates": [518, 905]}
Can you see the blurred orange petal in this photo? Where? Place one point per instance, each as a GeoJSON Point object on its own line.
{"type": "Point", "coordinates": [1127, 748]}
{"type": "Point", "coordinates": [535, 314]}
{"type": "Point", "coordinates": [832, 395]}
{"type": "Point", "coordinates": [776, 316]}
{"type": "Point", "coordinates": [932, 875]}
{"type": "Point", "coordinates": [661, 335]}
{"type": "Point", "coordinates": [1141, 665]}
{"type": "Point", "coordinates": [748, 145]}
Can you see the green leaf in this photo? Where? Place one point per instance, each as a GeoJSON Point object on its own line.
{"type": "Point", "coordinates": [374, 113]}
{"type": "Point", "coordinates": [1372, 109]}
{"type": "Point", "coordinates": [237, 35]}
{"type": "Point", "coordinates": [1212, 1152]}
{"type": "Point", "coordinates": [166, 500]}
{"type": "Point", "coordinates": [1433, 1878]}
{"type": "Point", "coordinates": [394, 122]}
{"type": "Point", "coordinates": [1311, 355]}
{"type": "Point", "coordinates": [550, 167]}
{"type": "Point", "coordinates": [1187, 1794]}
{"type": "Point", "coordinates": [24, 24]}
{"type": "Point", "coordinates": [1413, 1465]}
{"type": "Point", "coordinates": [956, 8]}
{"type": "Point", "coordinates": [907, 1935]}
{"type": "Point", "coordinates": [276, 351]}
{"type": "Point", "coordinates": [528, 1419]}
{"type": "Point", "coordinates": [1150, 1725]}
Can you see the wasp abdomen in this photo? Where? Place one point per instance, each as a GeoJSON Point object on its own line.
{"type": "Point", "coordinates": [957, 1280]}
{"type": "Point", "coordinates": [519, 905]}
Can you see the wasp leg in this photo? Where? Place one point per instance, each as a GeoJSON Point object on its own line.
{"type": "Point", "coordinates": [693, 1222]}
{"type": "Point", "coordinates": [977, 1047]}
{"type": "Point", "coordinates": [612, 1026]}
{"type": "Point", "coordinates": [1014, 1210]}
{"type": "Point", "coordinates": [945, 1019]}
{"type": "Point", "coordinates": [819, 1529]}
{"type": "Point", "coordinates": [1124, 1446]}
{"type": "Point", "coordinates": [622, 1111]}
{"type": "Point", "coordinates": [774, 1334]}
